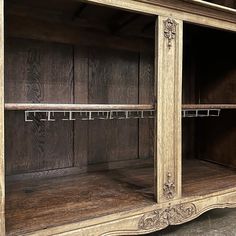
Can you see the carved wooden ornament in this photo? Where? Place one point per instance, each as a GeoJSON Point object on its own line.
{"type": "Point", "coordinates": [162, 218]}
{"type": "Point", "coordinates": [169, 188]}
{"type": "Point", "coordinates": [170, 30]}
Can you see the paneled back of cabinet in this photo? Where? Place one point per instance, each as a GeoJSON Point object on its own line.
{"type": "Point", "coordinates": [46, 72]}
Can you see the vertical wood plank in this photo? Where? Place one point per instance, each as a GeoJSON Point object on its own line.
{"type": "Point", "coordinates": [37, 72]}
{"type": "Point", "coordinates": [146, 96]}
{"type": "Point", "coordinates": [113, 78]}
{"type": "Point", "coordinates": [2, 167]}
{"type": "Point", "coordinates": [81, 76]}
{"type": "Point", "coordinates": [169, 36]}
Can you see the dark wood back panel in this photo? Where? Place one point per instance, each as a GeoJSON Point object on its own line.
{"type": "Point", "coordinates": [209, 78]}
{"type": "Point", "coordinates": [217, 138]}
{"type": "Point", "coordinates": [61, 73]}
{"type": "Point", "coordinates": [113, 78]}
{"type": "Point", "coordinates": [37, 72]}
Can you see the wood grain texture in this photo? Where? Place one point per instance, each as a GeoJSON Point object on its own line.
{"type": "Point", "coordinates": [195, 11]}
{"type": "Point", "coordinates": [81, 95]}
{"type": "Point", "coordinates": [52, 202]}
{"type": "Point", "coordinates": [146, 96]}
{"type": "Point", "coordinates": [113, 78]}
{"type": "Point", "coordinates": [37, 72]}
{"type": "Point", "coordinates": [2, 146]}
{"type": "Point", "coordinates": [218, 138]}
{"type": "Point", "coordinates": [103, 193]}
{"type": "Point", "coordinates": [22, 27]}
{"type": "Point", "coordinates": [168, 120]}
{"type": "Point", "coordinates": [75, 107]}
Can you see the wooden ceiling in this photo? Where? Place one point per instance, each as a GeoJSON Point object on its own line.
{"type": "Point", "coordinates": [108, 20]}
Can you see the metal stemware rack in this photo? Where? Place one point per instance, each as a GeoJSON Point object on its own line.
{"type": "Point", "coordinates": [90, 112]}
{"type": "Point", "coordinates": [88, 115]}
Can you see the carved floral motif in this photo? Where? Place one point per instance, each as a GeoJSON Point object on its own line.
{"type": "Point", "coordinates": [170, 30]}
{"type": "Point", "coordinates": [160, 219]}
{"type": "Point", "coordinates": [169, 187]}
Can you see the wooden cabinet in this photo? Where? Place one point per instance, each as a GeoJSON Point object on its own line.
{"type": "Point", "coordinates": [117, 117]}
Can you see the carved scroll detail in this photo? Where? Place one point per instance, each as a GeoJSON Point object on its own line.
{"type": "Point", "coordinates": [170, 30]}
{"type": "Point", "coordinates": [160, 219]}
{"type": "Point", "coordinates": [169, 187]}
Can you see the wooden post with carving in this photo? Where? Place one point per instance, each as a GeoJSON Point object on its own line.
{"type": "Point", "coordinates": [168, 77]}
{"type": "Point", "coordinates": [2, 169]}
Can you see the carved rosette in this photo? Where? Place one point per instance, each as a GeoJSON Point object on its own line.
{"type": "Point", "coordinates": [170, 30]}
{"type": "Point", "coordinates": [162, 218]}
{"type": "Point", "coordinates": [169, 188]}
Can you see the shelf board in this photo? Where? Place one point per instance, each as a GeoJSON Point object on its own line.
{"type": "Point", "coordinates": [77, 107]}
{"type": "Point", "coordinates": [50, 202]}
{"type": "Point", "coordinates": [33, 205]}
{"type": "Point", "coordinates": [105, 107]}
{"type": "Point", "coordinates": [208, 106]}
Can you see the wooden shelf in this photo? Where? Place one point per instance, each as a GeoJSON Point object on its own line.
{"type": "Point", "coordinates": [33, 205]}
{"type": "Point", "coordinates": [208, 106]}
{"type": "Point", "coordinates": [105, 107]}
{"type": "Point", "coordinates": [78, 107]}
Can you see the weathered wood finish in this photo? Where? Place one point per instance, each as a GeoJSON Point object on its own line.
{"type": "Point", "coordinates": [119, 202]}
{"type": "Point", "coordinates": [46, 145]}
{"type": "Point", "coordinates": [195, 11]}
{"type": "Point", "coordinates": [96, 195]}
{"type": "Point", "coordinates": [169, 100]}
{"type": "Point", "coordinates": [84, 75]}
{"type": "Point", "coordinates": [2, 146]}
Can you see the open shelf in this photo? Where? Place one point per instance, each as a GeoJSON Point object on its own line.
{"type": "Point", "coordinates": [201, 178]}
{"type": "Point", "coordinates": [34, 205]}
{"type": "Point", "coordinates": [84, 69]}
{"type": "Point", "coordinates": [209, 87]}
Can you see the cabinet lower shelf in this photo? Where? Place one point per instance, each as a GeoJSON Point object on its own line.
{"type": "Point", "coordinates": [33, 205]}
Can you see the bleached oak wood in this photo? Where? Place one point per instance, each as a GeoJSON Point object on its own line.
{"type": "Point", "coordinates": [129, 223]}
{"type": "Point", "coordinates": [169, 97]}
{"type": "Point", "coordinates": [194, 11]}
{"type": "Point", "coordinates": [79, 107]}
{"type": "Point", "coordinates": [168, 127]}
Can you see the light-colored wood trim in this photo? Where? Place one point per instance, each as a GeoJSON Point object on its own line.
{"type": "Point", "coordinates": [212, 5]}
{"type": "Point", "coordinates": [189, 11]}
{"type": "Point", "coordinates": [169, 97]}
{"type": "Point", "coordinates": [78, 107]}
{"type": "Point", "coordinates": [83, 107]}
{"type": "Point", "coordinates": [2, 168]}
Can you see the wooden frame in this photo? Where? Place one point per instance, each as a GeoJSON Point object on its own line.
{"type": "Point", "coordinates": [168, 66]}
{"type": "Point", "coordinates": [196, 11]}
{"type": "Point", "coordinates": [168, 128]}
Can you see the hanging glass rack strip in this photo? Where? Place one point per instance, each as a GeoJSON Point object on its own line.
{"type": "Point", "coordinates": [50, 115]}
{"type": "Point", "coordinates": [70, 112]}
{"type": "Point", "coordinates": [200, 113]}
{"type": "Point", "coordinates": [88, 115]}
